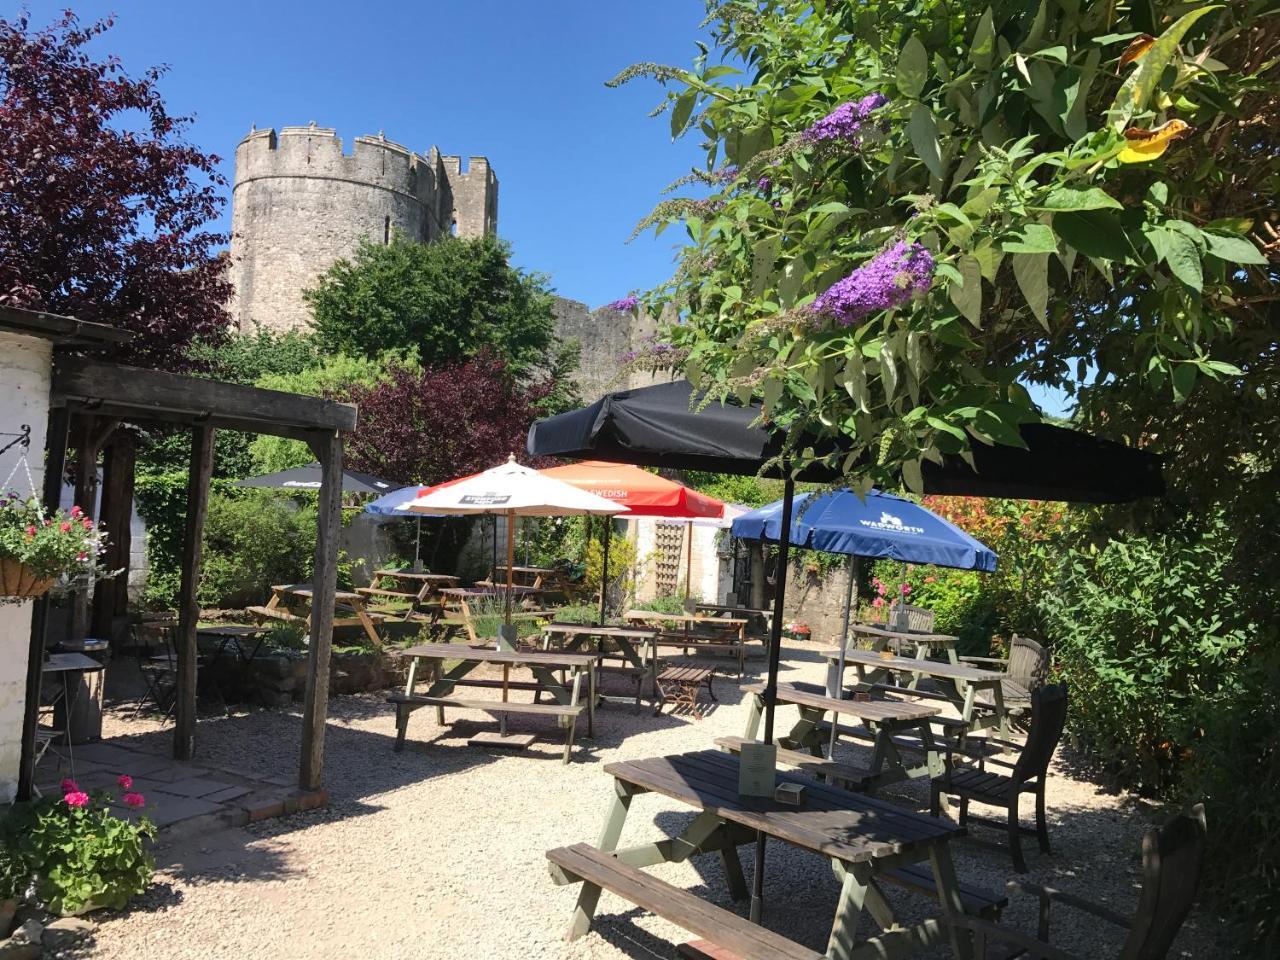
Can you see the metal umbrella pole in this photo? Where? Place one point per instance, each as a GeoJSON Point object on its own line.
{"type": "Point", "coordinates": [604, 568]}
{"type": "Point", "coordinates": [844, 644]}
{"type": "Point", "coordinates": [771, 683]}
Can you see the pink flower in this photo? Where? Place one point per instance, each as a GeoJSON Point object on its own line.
{"type": "Point", "coordinates": [125, 781]}
{"type": "Point", "coordinates": [906, 588]}
{"type": "Point", "coordinates": [77, 798]}
{"type": "Point", "coordinates": [88, 524]}
{"type": "Point", "coordinates": [31, 531]}
{"type": "Point", "coordinates": [82, 556]}
{"type": "Point", "coordinates": [70, 786]}
{"type": "Point", "coordinates": [65, 527]}
{"type": "Point", "coordinates": [134, 800]}
{"type": "Point", "coordinates": [76, 511]}
{"type": "Point", "coordinates": [878, 602]}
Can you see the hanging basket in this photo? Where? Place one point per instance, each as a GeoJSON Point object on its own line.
{"type": "Point", "coordinates": [18, 581]}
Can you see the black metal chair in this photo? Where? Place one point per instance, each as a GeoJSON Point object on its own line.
{"type": "Point", "coordinates": [154, 651]}
{"type": "Point", "coordinates": [1172, 857]}
{"type": "Point", "coordinates": [1028, 775]}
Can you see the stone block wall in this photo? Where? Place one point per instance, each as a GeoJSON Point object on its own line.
{"type": "Point", "coordinates": [25, 364]}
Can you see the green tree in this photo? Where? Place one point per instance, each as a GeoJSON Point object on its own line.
{"type": "Point", "coordinates": [919, 208]}
{"type": "Point", "coordinates": [445, 301]}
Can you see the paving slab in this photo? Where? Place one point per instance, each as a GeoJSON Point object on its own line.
{"type": "Point", "coordinates": [194, 787]}
{"type": "Point", "coordinates": [168, 808]}
{"type": "Point", "coordinates": [226, 795]}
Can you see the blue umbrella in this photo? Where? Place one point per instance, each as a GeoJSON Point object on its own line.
{"type": "Point", "coordinates": [881, 527]}
{"type": "Point", "coordinates": [388, 505]}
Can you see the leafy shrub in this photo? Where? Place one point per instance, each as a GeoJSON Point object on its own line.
{"type": "Point", "coordinates": [77, 855]}
{"type": "Point", "coordinates": [623, 564]}
{"type": "Point", "coordinates": [252, 540]}
{"type": "Point", "coordinates": [577, 613]}
{"type": "Point", "coordinates": [1143, 631]}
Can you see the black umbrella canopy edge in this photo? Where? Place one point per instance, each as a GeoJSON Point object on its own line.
{"type": "Point", "coordinates": [307, 477]}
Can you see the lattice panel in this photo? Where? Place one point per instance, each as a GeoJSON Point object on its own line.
{"type": "Point", "coordinates": [669, 544]}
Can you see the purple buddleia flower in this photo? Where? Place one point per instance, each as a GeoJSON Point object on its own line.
{"type": "Point", "coordinates": [627, 303]}
{"type": "Point", "coordinates": [726, 174]}
{"type": "Point", "coordinates": [764, 184]}
{"type": "Point", "coordinates": [890, 278]}
{"type": "Point", "coordinates": [845, 122]}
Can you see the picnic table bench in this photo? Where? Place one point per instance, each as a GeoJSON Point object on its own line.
{"type": "Point", "coordinates": [349, 607]}
{"type": "Point", "coordinates": [755, 617]}
{"type": "Point", "coordinates": [713, 632]}
{"type": "Point", "coordinates": [959, 685]}
{"type": "Point", "coordinates": [567, 707]}
{"type": "Point", "coordinates": [866, 841]}
{"type": "Point", "coordinates": [420, 600]}
{"type": "Point", "coordinates": [457, 601]}
{"type": "Point", "coordinates": [638, 663]}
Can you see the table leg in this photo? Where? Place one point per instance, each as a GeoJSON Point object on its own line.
{"type": "Point", "coordinates": [591, 701]}
{"type": "Point", "coordinates": [853, 896]}
{"type": "Point", "coordinates": [589, 894]}
{"type": "Point", "coordinates": [944, 875]}
{"type": "Point", "coordinates": [834, 680]}
{"type": "Point", "coordinates": [754, 717]}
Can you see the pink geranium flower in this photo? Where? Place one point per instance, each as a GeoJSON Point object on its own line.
{"type": "Point", "coordinates": [134, 800]}
{"type": "Point", "coordinates": [878, 602]}
{"type": "Point", "coordinates": [77, 798]}
{"type": "Point", "coordinates": [70, 786]}
{"type": "Point", "coordinates": [125, 781]}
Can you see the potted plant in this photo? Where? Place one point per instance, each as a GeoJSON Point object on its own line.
{"type": "Point", "coordinates": [13, 884]}
{"type": "Point", "coordinates": [37, 550]}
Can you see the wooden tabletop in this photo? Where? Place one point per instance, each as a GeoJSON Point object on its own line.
{"type": "Point", "coordinates": [304, 590]}
{"type": "Point", "coordinates": [63, 662]}
{"type": "Point", "coordinates": [726, 608]}
{"type": "Point", "coordinates": [423, 576]}
{"type": "Point", "coordinates": [495, 591]}
{"type": "Point", "coordinates": [875, 630]}
{"type": "Point", "coordinates": [832, 822]}
{"type": "Point", "coordinates": [872, 711]}
{"type": "Point", "coordinates": [461, 651]}
{"type": "Point", "coordinates": [229, 630]}
{"type": "Point", "coordinates": [586, 629]}
{"type": "Point", "coordinates": [535, 570]}
{"type": "Point", "coordinates": [932, 668]}
{"type": "Point", "coordinates": [682, 618]}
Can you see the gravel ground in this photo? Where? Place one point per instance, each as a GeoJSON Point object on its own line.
{"type": "Point", "coordinates": [439, 851]}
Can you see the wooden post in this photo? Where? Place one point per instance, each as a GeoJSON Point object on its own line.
{"type": "Point", "coordinates": [201, 469]}
{"type": "Point", "coordinates": [93, 432]}
{"type": "Point", "coordinates": [328, 450]}
{"type": "Point", "coordinates": [55, 463]}
{"type": "Point", "coordinates": [110, 598]}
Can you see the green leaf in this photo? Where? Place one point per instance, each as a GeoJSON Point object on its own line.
{"type": "Point", "coordinates": [888, 371]}
{"type": "Point", "coordinates": [1078, 198]}
{"type": "Point", "coordinates": [913, 68]}
{"type": "Point", "coordinates": [911, 476]}
{"type": "Point", "coordinates": [1233, 249]}
{"type": "Point", "coordinates": [683, 111]}
{"type": "Point", "coordinates": [1184, 380]}
{"type": "Point", "coordinates": [1234, 225]}
{"type": "Point", "coordinates": [1035, 238]}
{"type": "Point", "coordinates": [924, 137]}
{"type": "Point", "coordinates": [982, 51]}
{"type": "Point", "coordinates": [1179, 252]}
{"type": "Point", "coordinates": [1032, 273]}
{"type": "Point", "coordinates": [1095, 233]}
{"type": "Point", "coordinates": [1141, 84]}
{"type": "Point", "coordinates": [967, 296]}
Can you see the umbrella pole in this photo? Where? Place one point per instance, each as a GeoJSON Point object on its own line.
{"type": "Point", "coordinates": [417, 547]}
{"type": "Point", "coordinates": [688, 562]}
{"type": "Point", "coordinates": [771, 684]}
{"type": "Point", "coordinates": [604, 568]}
{"type": "Point", "coordinates": [507, 634]}
{"type": "Point", "coordinates": [844, 642]}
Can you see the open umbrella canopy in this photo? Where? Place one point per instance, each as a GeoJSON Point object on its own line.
{"type": "Point", "coordinates": [309, 478]}
{"type": "Point", "coordinates": [881, 527]}
{"type": "Point", "coordinates": [511, 489]}
{"type": "Point", "coordinates": [388, 505]}
{"type": "Point", "coordinates": [657, 426]}
{"type": "Point", "coordinates": [644, 494]}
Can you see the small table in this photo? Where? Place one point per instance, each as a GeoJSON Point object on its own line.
{"type": "Point", "coordinates": [349, 608]}
{"type": "Point", "coordinates": [964, 681]}
{"type": "Point", "coordinates": [574, 636]}
{"type": "Point", "coordinates": [65, 665]}
{"type": "Point", "coordinates": [685, 682]}
{"type": "Point", "coordinates": [732, 630]}
{"type": "Point", "coordinates": [568, 701]}
{"type": "Point", "coordinates": [884, 718]}
{"type": "Point", "coordinates": [861, 836]}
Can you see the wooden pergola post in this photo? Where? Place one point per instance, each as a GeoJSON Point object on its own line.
{"type": "Point", "coordinates": [328, 451]}
{"type": "Point", "coordinates": [111, 597]}
{"type": "Point", "coordinates": [184, 733]}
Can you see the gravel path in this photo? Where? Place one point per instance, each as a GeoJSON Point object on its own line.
{"type": "Point", "coordinates": [438, 851]}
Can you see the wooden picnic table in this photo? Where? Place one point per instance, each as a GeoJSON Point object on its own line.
{"type": "Point", "coordinates": [459, 599]}
{"type": "Point", "coordinates": [639, 663]}
{"type": "Point", "coordinates": [959, 684]}
{"type": "Point", "coordinates": [885, 719]}
{"type": "Point", "coordinates": [288, 599]}
{"type": "Point", "coordinates": [724, 626]}
{"type": "Point", "coordinates": [867, 841]}
{"type": "Point", "coordinates": [418, 599]}
{"type": "Point", "coordinates": [926, 644]}
{"type": "Point", "coordinates": [445, 678]}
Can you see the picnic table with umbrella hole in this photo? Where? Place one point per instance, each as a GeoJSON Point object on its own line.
{"type": "Point", "coordinates": [926, 645]}
{"type": "Point", "coordinates": [419, 600]}
{"type": "Point", "coordinates": [868, 842]}
{"type": "Point", "coordinates": [711, 631]}
{"type": "Point", "coordinates": [449, 666]}
{"type": "Point", "coordinates": [958, 685]}
{"type": "Point", "coordinates": [291, 603]}
{"type": "Point", "coordinates": [639, 663]}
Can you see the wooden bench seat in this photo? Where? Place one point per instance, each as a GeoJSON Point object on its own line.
{"type": "Point", "coordinates": [379, 592]}
{"type": "Point", "coordinates": [974, 748]}
{"type": "Point", "coordinates": [841, 774]}
{"type": "Point", "coordinates": [596, 869]}
{"type": "Point", "coordinates": [407, 703]}
{"type": "Point", "coordinates": [277, 614]}
{"type": "Point", "coordinates": [977, 902]}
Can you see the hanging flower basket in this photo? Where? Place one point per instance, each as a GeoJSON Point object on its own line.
{"type": "Point", "coordinates": [18, 581]}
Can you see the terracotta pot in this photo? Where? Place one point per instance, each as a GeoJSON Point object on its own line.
{"type": "Point", "coordinates": [18, 580]}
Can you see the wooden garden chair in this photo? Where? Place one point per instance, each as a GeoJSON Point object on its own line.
{"type": "Point", "coordinates": [1172, 857]}
{"type": "Point", "coordinates": [1026, 668]}
{"type": "Point", "coordinates": [1028, 775]}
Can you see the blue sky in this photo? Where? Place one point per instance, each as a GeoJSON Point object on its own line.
{"type": "Point", "coordinates": [519, 82]}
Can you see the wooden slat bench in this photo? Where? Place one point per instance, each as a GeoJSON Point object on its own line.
{"type": "Point", "coordinates": [918, 877]}
{"type": "Point", "coordinates": [597, 870]}
{"type": "Point", "coordinates": [406, 703]}
{"type": "Point", "coordinates": [269, 613]}
{"type": "Point", "coordinates": [840, 774]}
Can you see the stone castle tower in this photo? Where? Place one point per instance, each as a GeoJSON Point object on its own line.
{"type": "Point", "coordinates": [299, 203]}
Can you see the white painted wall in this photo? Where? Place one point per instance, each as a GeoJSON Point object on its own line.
{"type": "Point", "coordinates": [25, 365]}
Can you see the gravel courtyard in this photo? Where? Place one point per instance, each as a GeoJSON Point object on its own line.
{"type": "Point", "coordinates": [438, 851]}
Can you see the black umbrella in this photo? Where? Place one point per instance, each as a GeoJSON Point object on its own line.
{"type": "Point", "coordinates": [658, 426]}
{"type": "Point", "coordinates": [308, 478]}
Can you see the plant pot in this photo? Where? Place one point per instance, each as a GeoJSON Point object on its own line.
{"type": "Point", "coordinates": [19, 580]}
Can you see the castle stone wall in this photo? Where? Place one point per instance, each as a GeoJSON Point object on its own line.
{"type": "Point", "coordinates": [604, 335]}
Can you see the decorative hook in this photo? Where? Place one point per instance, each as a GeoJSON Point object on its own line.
{"type": "Point", "coordinates": [22, 439]}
